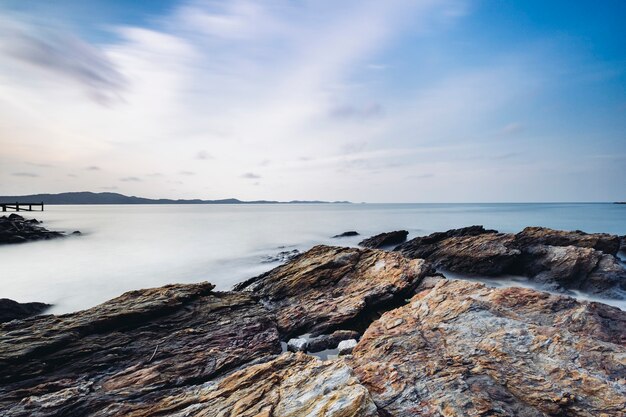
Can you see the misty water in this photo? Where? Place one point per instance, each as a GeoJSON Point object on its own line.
{"type": "Point", "coordinates": [138, 246]}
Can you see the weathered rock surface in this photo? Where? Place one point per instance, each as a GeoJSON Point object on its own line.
{"type": "Point", "coordinates": [384, 240]}
{"type": "Point", "coordinates": [556, 259]}
{"type": "Point", "coordinates": [329, 288]}
{"type": "Point", "coordinates": [140, 344]}
{"type": "Point", "coordinates": [622, 246]}
{"type": "Point", "coordinates": [11, 310]}
{"type": "Point", "coordinates": [463, 349]}
{"type": "Point", "coordinates": [292, 385]}
{"type": "Point", "coordinates": [331, 341]}
{"type": "Point", "coordinates": [347, 234]}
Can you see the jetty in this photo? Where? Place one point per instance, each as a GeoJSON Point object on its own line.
{"type": "Point", "coordinates": [22, 206]}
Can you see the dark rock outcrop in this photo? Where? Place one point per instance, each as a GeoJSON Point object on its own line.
{"type": "Point", "coordinates": [141, 344]}
{"type": "Point", "coordinates": [11, 310]}
{"type": "Point", "coordinates": [16, 229]}
{"type": "Point", "coordinates": [330, 341]}
{"type": "Point", "coordinates": [329, 288]}
{"type": "Point", "coordinates": [384, 240]}
{"type": "Point", "coordinates": [347, 234]}
{"type": "Point", "coordinates": [282, 256]}
{"type": "Point", "coordinates": [556, 259]}
{"type": "Point", "coordinates": [463, 349]}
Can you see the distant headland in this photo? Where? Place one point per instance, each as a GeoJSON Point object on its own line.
{"type": "Point", "coordinates": [87, 197]}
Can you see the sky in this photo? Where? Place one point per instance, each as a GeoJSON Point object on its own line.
{"type": "Point", "coordinates": [376, 101]}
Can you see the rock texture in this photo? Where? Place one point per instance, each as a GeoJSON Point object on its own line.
{"type": "Point", "coordinates": [384, 240]}
{"type": "Point", "coordinates": [140, 344]}
{"type": "Point", "coordinates": [11, 310]}
{"type": "Point", "coordinates": [463, 349]}
{"type": "Point", "coordinates": [292, 385]}
{"type": "Point", "coordinates": [16, 229]}
{"type": "Point", "coordinates": [558, 260]}
{"type": "Point", "coordinates": [282, 256]}
{"type": "Point", "coordinates": [330, 288]}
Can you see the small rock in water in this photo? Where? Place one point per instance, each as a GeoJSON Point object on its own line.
{"type": "Point", "coordinates": [282, 256]}
{"type": "Point", "coordinates": [347, 234]}
{"type": "Point", "coordinates": [345, 346]}
{"type": "Point", "coordinates": [297, 345]}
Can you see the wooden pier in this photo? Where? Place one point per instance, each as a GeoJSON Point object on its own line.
{"type": "Point", "coordinates": [21, 206]}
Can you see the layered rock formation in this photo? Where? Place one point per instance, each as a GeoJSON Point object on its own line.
{"type": "Point", "coordinates": [330, 288]}
{"type": "Point", "coordinates": [16, 229]}
{"type": "Point", "coordinates": [384, 240]}
{"type": "Point", "coordinates": [556, 259]}
{"type": "Point", "coordinates": [462, 349]}
{"type": "Point", "coordinates": [11, 310]}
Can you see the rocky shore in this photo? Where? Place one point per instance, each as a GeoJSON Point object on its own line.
{"type": "Point", "coordinates": [16, 229]}
{"type": "Point", "coordinates": [419, 344]}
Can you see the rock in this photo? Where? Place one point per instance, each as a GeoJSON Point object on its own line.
{"type": "Point", "coordinates": [11, 310]}
{"type": "Point", "coordinates": [347, 234]}
{"type": "Point", "coordinates": [329, 288]}
{"type": "Point", "coordinates": [297, 345]}
{"type": "Point", "coordinates": [556, 259]}
{"type": "Point", "coordinates": [291, 385]}
{"type": "Point", "coordinates": [16, 229]}
{"type": "Point", "coordinates": [330, 341]}
{"type": "Point", "coordinates": [542, 235]}
{"type": "Point", "coordinates": [143, 343]}
{"type": "Point", "coordinates": [345, 346]}
{"type": "Point", "coordinates": [76, 232]}
{"type": "Point", "coordinates": [282, 256]}
{"type": "Point", "coordinates": [385, 239]}
{"type": "Point", "coordinates": [461, 348]}
{"type": "Point", "coordinates": [622, 247]}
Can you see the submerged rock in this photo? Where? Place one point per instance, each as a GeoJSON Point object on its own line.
{"type": "Point", "coordinates": [291, 385]}
{"type": "Point", "coordinates": [347, 234]}
{"type": "Point", "coordinates": [462, 348]}
{"type": "Point", "coordinates": [556, 259]}
{"type": "Point", "coordinates": [16, 229]}
{"type": "Point", "coordinates": [329, 288]}
{"type": "Point", "coordinates": [384, 239]}
{"type": "Point", "coordinates": [11, 310]}
{"type": "Point", "coordinates": [141, 343]}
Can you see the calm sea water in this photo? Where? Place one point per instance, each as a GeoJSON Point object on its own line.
{"type": "Point", "coordinates": [130, 247]}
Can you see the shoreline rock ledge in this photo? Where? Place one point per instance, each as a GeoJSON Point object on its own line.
{"type": "Point", "coordinates": [428, 346]}
{"type": "Point", "coordinates": [17, 229]}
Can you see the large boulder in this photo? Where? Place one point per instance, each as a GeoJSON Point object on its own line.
{"type": "Point", "coordinates": [557, 260]}
{"type": "Point", "coordinates": [462, 348]}
{"type": "Point", "coordinates": [11, 310]}
{"type": "Point", "coordinates": [384, 240]}
{"type": "Point", "coordinates": [142, 343]}
{"type": "Point", "coordinates": [329, 288]}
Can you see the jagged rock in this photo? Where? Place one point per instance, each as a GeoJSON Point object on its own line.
{"type": "Point", "coordinates": [622, 246]}
{"type": "Point", "coordinates": [292, 385]}
{"type": "Point", "coordinates": [384, 239]}
{"type": "Point", "coordinates": [11, 310]}
{"type": "Point", "coordinates": [282, 256]}
{"type": "Point", "coordinates": [542, 235]}
{"type": "Point", "coordinates": [329, 288]}
{"type": "Point", "coordinates": [297, 345]}
{"type": "Point", "coordinates": [346, 346]}
{"type": "Point", "coordinates": [16, 229]}
{"type": "Point", "coordinates": [461, 348]}
{"type": "Point", "coordinates": [330, 341]}
{"type": "Point", "coordinates": [347, 234]}
{"type": "Point", "coordinates": [138, 344]}
{"type": "Point", "coordinates": [556, 259]}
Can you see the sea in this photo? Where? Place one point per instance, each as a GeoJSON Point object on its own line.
{"type": "Point", "coordinates": [127, 247]}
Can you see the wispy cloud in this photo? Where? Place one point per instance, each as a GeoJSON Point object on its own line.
{"type": "Point", "coordinates": [25, 174]}
{"type": "Point", "coordinates": [250, 175]}
{"type": "Point", "coordinates": [203, 155]}
{"type": "Point", "coordinates": [92, 168]}
{"type": "Point", "coordinates": [188, 173]}
{"type": "Point", "coordinates": [130, 179]}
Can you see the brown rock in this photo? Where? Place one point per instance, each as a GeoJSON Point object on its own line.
{"type": "Point", "coordinates": [461, 348]}
{"type": "Point", "coordinates": [292, 385]}
{"type": "Point", "coordinates": [140, 343]}
{"type": "Point", "coordinates": [544, 236]}
{"type": "Point", "coordinates": [329, 288]}
{"type": "Point", "coordinates": [384, 239]}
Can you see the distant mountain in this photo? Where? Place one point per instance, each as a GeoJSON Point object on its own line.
{"type": "Point", "coordinates": [87, 197]}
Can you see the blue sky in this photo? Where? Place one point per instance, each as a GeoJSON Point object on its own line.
{"type": "Point", "coordinates": [395, 101]}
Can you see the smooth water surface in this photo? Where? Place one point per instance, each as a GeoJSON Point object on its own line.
{"type": "Point", "coordinates": [138, 246]}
